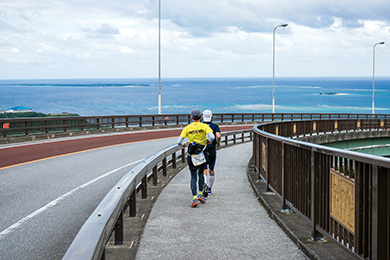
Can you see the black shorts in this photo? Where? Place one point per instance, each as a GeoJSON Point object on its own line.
{"type": "Point", "coordinates": [211, 157]}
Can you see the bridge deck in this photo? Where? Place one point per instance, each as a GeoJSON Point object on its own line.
{"type": "Point", "coordinates": [231, 225]}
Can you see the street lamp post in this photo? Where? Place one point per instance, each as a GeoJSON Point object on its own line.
{"type": "Point", "coordinates": [273, 71]}
{"type": "Point", "coordinates": [159, 57]}
{"type": "Point", "coordinates": [373, 77]}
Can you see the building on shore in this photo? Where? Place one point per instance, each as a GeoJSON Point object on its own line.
{"type": "Point", "coordinates": [19, 109]}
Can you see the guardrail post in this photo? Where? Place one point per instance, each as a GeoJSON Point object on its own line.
{"type": "Point", "coordinates": [174, 160]}
{"type": "Point", "coordinates": [144, 187]}
{"type": "Point", "coordinates": [112, 123]}
{"type": "Point", "coordinates": [119, 230]}
{"type": "Point", "coordinates": [183, 155]}
{"type": "Point", "coordinates": [133, 204]}
{"type": "Point", "coordinates": [97, 123]}
{"type": "Point", "coordinates": [155, 175]}
{"type": "Point", "coordinates": [380, 213]}
{"type": "Point", "coordinates": [315, 235]}
{"type": "Point", "coordinates": [164, 166]}
{"type": "Point", "coordinates": [64, 123]}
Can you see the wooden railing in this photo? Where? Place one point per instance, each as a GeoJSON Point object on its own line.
{"type": "Point", "coordinates": [107, 219]}
{"type": "Point", "coordinates": [345, 195]}
{"type": "Point", "coordinates": [46, 125]}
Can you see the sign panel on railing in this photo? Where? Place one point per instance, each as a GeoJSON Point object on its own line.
{"type": "Point", "coordinates": [342, 200]}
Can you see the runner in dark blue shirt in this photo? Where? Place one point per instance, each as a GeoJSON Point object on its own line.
{"type": "Point", "coordinates": [211, 152]}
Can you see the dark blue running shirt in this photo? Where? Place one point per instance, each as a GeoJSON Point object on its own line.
{"type": "Point", "coordinates": [215, 129]}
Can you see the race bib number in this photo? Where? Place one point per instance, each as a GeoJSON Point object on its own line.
{"type": "Point", "coordinates": [198, 159]}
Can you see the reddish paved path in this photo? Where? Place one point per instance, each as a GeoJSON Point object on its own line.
{"type": "Point", "coordinates": [12, 156]}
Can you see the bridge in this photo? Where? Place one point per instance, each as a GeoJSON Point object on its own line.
{"type": "Point", "coordinates": [269, 197]}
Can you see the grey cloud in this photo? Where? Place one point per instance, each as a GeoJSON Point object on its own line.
{"type": "Point", "coordinates": [105, 31]}
{"type": "Point", "coordinates": [4, 26]}
{"type": "Point", "coordinates": [202, 18]}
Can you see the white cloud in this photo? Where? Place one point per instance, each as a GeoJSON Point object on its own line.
{"type": "Point", "coordinates": [57, 39]}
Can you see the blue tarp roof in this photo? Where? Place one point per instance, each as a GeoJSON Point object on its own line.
{"type": "Point", "coordinates": [20, 108]}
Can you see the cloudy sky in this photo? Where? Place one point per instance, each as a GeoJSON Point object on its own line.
{"type": "Point", "coordinates": [229, 38]}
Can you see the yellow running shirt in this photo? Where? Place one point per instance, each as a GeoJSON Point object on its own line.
{"type": "Point", "coordinates": [196, 132]}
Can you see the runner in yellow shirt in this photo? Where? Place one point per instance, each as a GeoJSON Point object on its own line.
{"type": "Point", "coordinates": [198, 134]}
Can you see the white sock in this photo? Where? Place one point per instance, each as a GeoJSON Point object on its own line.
{"type": "Point", "coordinates": [211, 180]}
{"type": "Point", "coordinates": [205, 179]}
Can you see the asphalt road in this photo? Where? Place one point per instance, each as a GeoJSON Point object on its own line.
{"type": "Point", "coordinates": [48, 189]}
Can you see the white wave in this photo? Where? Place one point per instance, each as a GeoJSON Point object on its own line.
{"type": "Point", "coordinates": [170, 107]}
{"type": "Point", "coordinates": [249, 87]}
{"type": "Point", "coordinates": [308, 87]}
{"type": "Point", "coordinates": [350, 107]}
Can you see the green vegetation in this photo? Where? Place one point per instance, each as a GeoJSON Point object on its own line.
{"type": "Point", "coordinates": [33, 114]}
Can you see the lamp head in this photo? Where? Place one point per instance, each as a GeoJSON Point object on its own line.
{"type": "Point", "coordinates": [284, 25]}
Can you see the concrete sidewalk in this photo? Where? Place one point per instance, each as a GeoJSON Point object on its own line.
{"type": "Point", "coordinates": [231, 225]}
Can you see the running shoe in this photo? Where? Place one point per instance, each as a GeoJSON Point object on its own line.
{"type": "Point", "coordinates": [195, 203]}
{"type": "Point", "coordinates": [209, 191]}
{"type": "Point", "coordinates": [205, 188]}
{"type": "Point", "coordinates": [201, 198]}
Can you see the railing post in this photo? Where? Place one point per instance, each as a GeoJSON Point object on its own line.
{"type": "Point", "coordinates": [119, 230]}
{"type": "Point", "coordinates": [315, 235]}
{"type": "Point", "coordinates": [97, 123]}
{"type": "Point", "coordinates": [380, 213]}
{"type": "Point", "coordinates": [267, 158]}
{"type": "Point", "coordinates": [112, 123]}
{"type": "Point", "coordinates": [284, 206]}
{"type": "Point", "coordinates": [46, 128]}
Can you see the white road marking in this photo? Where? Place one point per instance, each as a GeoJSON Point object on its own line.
{"type": "Point", "coordinates": [51, 204]}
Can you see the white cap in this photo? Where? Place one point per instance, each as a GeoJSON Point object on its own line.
{"type": "Point", "coordinates": [207, 116]}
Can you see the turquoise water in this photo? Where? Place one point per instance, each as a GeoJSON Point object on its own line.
{"type": "Point", "coordinates": [222, 95]}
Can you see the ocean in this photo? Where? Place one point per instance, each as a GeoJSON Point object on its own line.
{"type": "Point", "coordinates": [90, 97]}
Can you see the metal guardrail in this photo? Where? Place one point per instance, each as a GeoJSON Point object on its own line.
{"type": "Point", "coordinates": [306, 177]}
{"type": "Point", "coordinates": [46, 125]}
{"type": "Point", "coordinates": [107, 218]}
